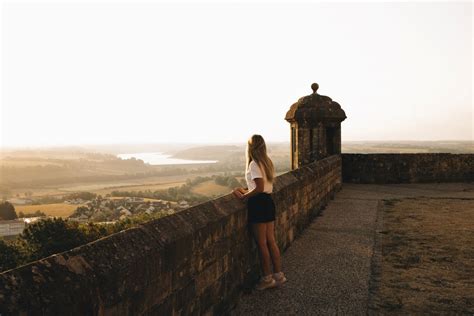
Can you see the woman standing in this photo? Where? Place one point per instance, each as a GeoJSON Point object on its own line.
{"type": "Point", "coordinates": [259, 174]}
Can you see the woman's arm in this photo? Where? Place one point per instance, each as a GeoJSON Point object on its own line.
{"type": "Point", "coordinates": [258, 189]}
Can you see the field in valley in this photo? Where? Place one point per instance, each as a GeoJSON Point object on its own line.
{"type": "Point", "coordinates": [210, 188]}
{"type": "Point", "coordinates": [56, 209]}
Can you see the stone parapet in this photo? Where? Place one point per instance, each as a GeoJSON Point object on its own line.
{"type": "Point", "coordinates": [196, 261]}
{"type": "Point", "coordinates": [407, 168]}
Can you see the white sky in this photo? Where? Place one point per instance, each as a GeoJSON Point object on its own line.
{"type": "Point", "coordinates": [113, 72]}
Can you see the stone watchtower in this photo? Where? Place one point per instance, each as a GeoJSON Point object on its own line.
{"type": "Point", "coordinates": [315, 128]}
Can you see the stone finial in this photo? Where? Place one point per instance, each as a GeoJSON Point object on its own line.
{"type": "Point", "coordinates": [315, 108]}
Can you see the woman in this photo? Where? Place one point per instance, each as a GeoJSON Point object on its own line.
{"type": "Point", "coordinates": [259, 174]}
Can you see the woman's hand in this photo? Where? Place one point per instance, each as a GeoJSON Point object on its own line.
{"type": "Point", "coordinates": [239, 193]}
{"type": "Point", "coordinates": [236, 192]}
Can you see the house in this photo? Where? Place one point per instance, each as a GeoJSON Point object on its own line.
{"type": "Point", "coordinates": [31, 220]}
{"type": "Point", "coordinates": [183, 204]}
{"type": "Point", "coordinates": [125, 212]}
{"type": "Point", "coordinates": [81, 219]}
{"type": "Point", "coordinates": [150, 210]}
{"type": "Point", "coordinates": [11, 227]}
{"type": "Point", "coordinates": [140, 207]}
{"type": "Point", "coordinates": [105, 223]}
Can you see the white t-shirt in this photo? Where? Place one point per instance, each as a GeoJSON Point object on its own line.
{"type": "Point", "coordinates": [253, 171]}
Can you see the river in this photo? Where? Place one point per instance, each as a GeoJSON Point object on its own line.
{"type": "Point", "coordinates": [158, 158]}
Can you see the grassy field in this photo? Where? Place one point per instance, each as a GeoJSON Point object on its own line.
{"type": "Point", "coordinates": [59, 209]}
{"type": "Point", "coordinates": [426, 263]}
{"type": "Point", "coordinates": [99, 189]}
{"type": "Point", "coordinates": [210, 188]}
{"type": "Point", "coordinates": [105, 187]}
{"type": "Point", "coordinates": [27, 163]}
{"type": "Point", "coordinates": [144, 199]}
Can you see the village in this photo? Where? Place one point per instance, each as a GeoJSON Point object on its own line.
{"type": "Point", "coordinates": [100, 210]}
{"type": "Point", "coordinates": [111, 209]}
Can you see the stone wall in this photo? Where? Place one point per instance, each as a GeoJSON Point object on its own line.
{"type": "Point", "coordinates": [406, 168]}
{"type": "Point", "coordinates": [196, 261]}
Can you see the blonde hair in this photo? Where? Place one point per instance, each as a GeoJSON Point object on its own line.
{"type": "Point", "coordinates": [257, 151]}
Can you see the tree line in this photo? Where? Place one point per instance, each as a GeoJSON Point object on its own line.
{"type": "Point", "coordinates": [54, 235]}
{"type": "Point", "coordinates": [182, 192]}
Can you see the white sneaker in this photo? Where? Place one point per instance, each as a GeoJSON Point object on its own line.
{"type": "Point", "coordinates": [266, 283]}
{"type": "Point", "coordinates": [279, 278]}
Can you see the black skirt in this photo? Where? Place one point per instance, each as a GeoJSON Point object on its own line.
{"type": "Point", "coordinates": [261, 208]}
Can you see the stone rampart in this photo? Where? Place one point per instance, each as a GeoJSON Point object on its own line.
{"type": "Point", "coordinates": [196, 261]}
{"type": "Point", "coordinates": [407, 168]}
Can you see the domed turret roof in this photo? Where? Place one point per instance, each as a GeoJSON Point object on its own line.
{"type": "Point", "coordinates": [315, 108]}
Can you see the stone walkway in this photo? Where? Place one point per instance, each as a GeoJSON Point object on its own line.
{"type": "Point", "coordinates": [328, 265]}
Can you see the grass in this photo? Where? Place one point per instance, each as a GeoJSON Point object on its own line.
{"type": "Point", "coordinates": [143, 187]}
{"type": "Point", "coordinates": [27, 163]}
{"type": "Point", "coordinates": [210, 188]}
{"type": "Point", "coordinates": [105, 187]}
{"type": "Point", "coordinates": [426, 263]}
{"type": "Point", "coordinates": [58, 209]}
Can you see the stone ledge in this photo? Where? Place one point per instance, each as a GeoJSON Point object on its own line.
{"type": "Point", "coordinates": [195, 261]}
{"type": "Point", "coordinates": [407, 168]}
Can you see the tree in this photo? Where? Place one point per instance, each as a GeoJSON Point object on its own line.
{"type": "Point", "coordinates": [37, 213]}
{"type": "Point", "coordinates": [10, 256]}
{"type": "Point", "coordinates": [233, 182]}
{"type": "Point", "coordinates": [99, 216]}
{"type": "Point", "coordinates": [48, 236]}
{"type": "Point", "coordinates": [7, 211]}
{"type": "Point", "coordinates": [79, 211]}
{"type": "Point", "coordinates": [81, 195]}
{"type": "Point", "coordinates": [93, 231]}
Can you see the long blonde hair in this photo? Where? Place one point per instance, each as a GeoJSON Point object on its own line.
{"type": "Point", "coordinates": [257, 151]}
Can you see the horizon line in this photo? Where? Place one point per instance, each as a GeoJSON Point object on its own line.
{"type": "Point", "coordinates": [62, 146]}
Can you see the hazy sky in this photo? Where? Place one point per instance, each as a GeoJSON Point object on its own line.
{"type": "Point", "coordinates": [87, 72]}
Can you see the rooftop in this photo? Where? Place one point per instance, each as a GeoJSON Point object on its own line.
{"type": "Point", "coordinates": [315, 108]}
{"type": "Point", "coordinates": [330, 267]}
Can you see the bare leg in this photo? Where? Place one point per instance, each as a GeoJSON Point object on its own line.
{"type": "Point", "coordinates": [258, 230]}
{"type": "Point", "coordinates": [273, 247]}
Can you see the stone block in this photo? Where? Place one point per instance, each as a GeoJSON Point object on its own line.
{"type": "Point", "coordinates": [208, 276]}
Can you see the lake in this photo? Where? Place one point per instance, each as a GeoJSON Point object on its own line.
{"type": "Point", "coordinates": [159, 158]}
